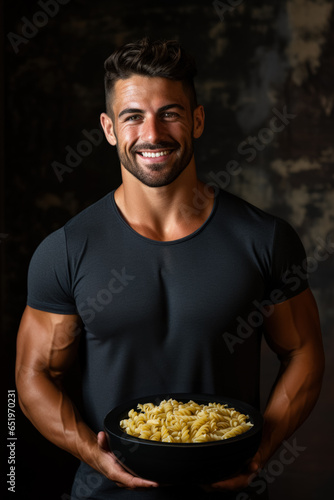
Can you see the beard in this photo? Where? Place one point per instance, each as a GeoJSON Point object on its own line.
{"type": "Point", "coordinates": [157, 174]}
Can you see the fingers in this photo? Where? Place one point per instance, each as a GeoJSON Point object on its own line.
{"type": "Point", "coordinates": [238, 482]}
{"type": "Point", "coordinates": [125, 480]}
{"type": "Point", "coordinates": [114, 470]}
{"type": "Point", "coordinates": [138, 482]}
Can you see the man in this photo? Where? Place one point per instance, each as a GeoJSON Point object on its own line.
{"type": "Point", "coordinates": [162, 293]}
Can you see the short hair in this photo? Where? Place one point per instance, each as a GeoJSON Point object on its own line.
{"type": "Point", "coordinates": [165, 59]}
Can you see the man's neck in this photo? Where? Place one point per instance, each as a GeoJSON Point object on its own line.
{"type": "Point", "coordinates": [165, 213]}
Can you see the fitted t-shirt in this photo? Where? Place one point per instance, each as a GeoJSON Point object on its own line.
{"type": "Point", "coordinates": [167, 316]}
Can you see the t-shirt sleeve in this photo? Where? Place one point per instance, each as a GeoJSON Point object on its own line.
{"type": "Point", "coordinates": [289, 264]}
{"type": "Point", "coordinates": [49, 284]}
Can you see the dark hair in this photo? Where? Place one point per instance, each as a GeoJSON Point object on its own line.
{"type": "Point", "coordinates": [165, 59]}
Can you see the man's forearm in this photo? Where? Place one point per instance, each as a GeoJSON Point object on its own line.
{"type": "Point", "coordinates": [52, 412]}
{"type": "Point", "coordinates": [291, 401]}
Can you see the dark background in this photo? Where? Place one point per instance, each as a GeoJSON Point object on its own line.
{"type": "Point", "coordinates": [254, 59]}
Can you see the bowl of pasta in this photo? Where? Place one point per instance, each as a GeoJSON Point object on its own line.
{"type": "Point", "coordinates": [183, 437]}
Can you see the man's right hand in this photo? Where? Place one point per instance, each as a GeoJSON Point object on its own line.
{"type": "Point", "coordinates": [111, 468]}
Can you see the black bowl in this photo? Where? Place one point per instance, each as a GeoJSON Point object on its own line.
{"type": "Point", "coordinates": [176, 463]}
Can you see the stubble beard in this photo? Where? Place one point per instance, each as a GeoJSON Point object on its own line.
{"type": "Point", "coordinates": [167, 176]}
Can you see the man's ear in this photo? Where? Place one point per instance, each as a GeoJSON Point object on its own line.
{"type": "Point", "coordinates": [108, 128]}
{"type": "Point", "coordinates": [199, 118]}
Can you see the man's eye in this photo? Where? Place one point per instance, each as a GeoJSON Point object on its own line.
{"type": "Point", "coordinates": [133, 118]}
{"type": "Point", "coordinates": [170, 114]}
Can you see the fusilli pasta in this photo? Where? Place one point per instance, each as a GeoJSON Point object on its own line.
{"type": "Point", "coordinates": [176, 422]}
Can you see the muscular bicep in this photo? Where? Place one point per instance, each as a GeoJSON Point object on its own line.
{"type": "Point", "coordinates": [46, 343]}
{"type": "Point", "coordinates": [293, 327]}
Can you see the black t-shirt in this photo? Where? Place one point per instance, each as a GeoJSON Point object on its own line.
{"type": "Point", "coordinates": [168, 316]}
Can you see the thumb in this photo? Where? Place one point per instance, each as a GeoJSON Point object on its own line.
{"type": "Point", "coordinates": [254, 466]}
{"type": "Point", "coordinates": [102, 441]}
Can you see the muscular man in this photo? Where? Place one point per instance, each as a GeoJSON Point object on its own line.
{"type": "Point", "coordinates": [160, 292]}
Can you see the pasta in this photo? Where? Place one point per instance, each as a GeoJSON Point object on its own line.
{"type": "Point", "coordinates": [176, 422]}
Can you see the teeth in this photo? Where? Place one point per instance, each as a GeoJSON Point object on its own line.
{"type": "Point", "coordinates": [154, 155]}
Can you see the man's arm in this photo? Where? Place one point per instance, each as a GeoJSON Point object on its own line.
{"type": "Point", "coordinates": [46, 347]}
{"type": "Point", "coordinates": [292, 331]}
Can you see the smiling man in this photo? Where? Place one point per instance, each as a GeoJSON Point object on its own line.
{"type": "Point", "coordinates": [166, 286]}
{"type": "Point", "coordinates": [153, 163]}
{"type": "Point", "coordinates": [154, 141]}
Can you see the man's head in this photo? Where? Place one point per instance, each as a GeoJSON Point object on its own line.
{"type": "Point", "coordinates": [164, 59]}
{"type": "Point", "coordinates": [152, 114]}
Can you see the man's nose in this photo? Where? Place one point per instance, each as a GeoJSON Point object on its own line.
{"type": "Point", "coordinates": [152, 130]}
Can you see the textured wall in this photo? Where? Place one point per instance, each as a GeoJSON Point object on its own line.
{"type": "Point", "coordinates": [266, 73]}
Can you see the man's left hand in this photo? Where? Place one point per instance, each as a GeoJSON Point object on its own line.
{"type": "Point", "coordinates": [241, 480]}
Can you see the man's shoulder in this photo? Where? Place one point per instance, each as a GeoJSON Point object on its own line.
{"type": "Point", "coordinates": [89, 222]}
{"type": "Point", "coordinates": [238, 207]}
{"type": "Point", "coordinates": [94, 214]}
{"type": "Point", "coordinates": [254, 223]}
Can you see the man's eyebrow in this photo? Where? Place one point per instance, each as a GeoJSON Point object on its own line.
{"type": "Point", "coordinates": [130, 110]}
{"type": "Point", "coordinates": [160, 110]}
{"type": "Point", "coordinates": [169, 106]}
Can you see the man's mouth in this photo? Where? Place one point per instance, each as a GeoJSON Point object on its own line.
{"type": "Point", "coordinates": [151, 154]}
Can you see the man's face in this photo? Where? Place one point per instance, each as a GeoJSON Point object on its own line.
{"type": "Point", "coordinates": [153, 128]}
